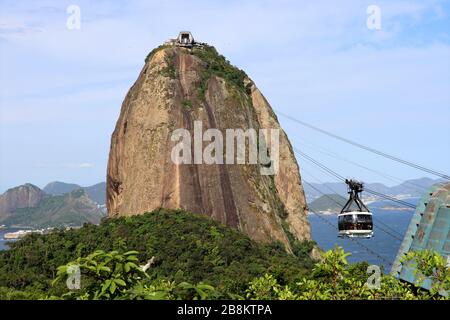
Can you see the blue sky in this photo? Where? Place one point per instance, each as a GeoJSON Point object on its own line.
{"type": "Point", "coordinates": [61, 90]}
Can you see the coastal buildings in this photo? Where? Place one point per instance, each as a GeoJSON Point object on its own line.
{"type": "Point", "coordinates": [22, 233]}
{"type": "Point", "coordinates": [16, 235]}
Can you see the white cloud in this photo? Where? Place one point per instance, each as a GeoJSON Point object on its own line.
{"type": "Point", "coordinates": [83, 165]}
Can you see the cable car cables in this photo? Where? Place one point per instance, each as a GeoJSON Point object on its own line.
{"type": "Point", "coordinates": [361, 146]}
{"type": "Point", "coordinates": [342, 179]}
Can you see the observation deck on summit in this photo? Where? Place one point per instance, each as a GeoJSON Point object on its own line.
{"type": "Point", "coordinates": [185, 40]}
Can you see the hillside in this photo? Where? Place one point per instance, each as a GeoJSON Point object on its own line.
{"type": "Point", "coordinates": [96, 192]}
{"type": "Point", "coordinates": [24, 196]}
{"type": "Point", "coordinates": [329, 202]}
{"type": "Point", "coordinates": [412, 188]}
{"type": "Point", "coordinates": [186, 246]}
{"type": "Point", "coordinates": [58, 188]}
{"type": "Point", "coordinates": [71, 209]}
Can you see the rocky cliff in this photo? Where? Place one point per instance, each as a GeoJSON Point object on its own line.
{"type": "Point", "coordinates": [70, 209]}
{"type": "Point", "coordinates": [176, 87]}
{"type": "Point", "coordinates": [24, 196]}
{"type": "Point", "coordinates": [27, 205]}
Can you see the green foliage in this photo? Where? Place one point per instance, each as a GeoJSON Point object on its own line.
{"type": "Point", "coordinates": [301, 249]}
{"type": "Point", "coordinates": [202, 87]}
{"type": "Point", "coordinates": [107, 275]}
{"type": "Point", "coordinates": [170, 290]}
{"type": "Point", "coordinates": [187, 104]}
{"type": "Point", "coordinates": [13, 294]}
{"type": "Point", "coordinates": [267, 288]}
{"type": "Point", "coordinates": [333, 265]}
{"type": "Point", "coordinates": [116, 275]}
{"type": "Point", "coordinates": [170, 70]}
{"type": "Point", "coordinates": [428, 264]}
{"type": "Point", "coordinates": [195, 258]}
{"type": "Point", "coordinates": [218, 65]}
{"type": "Point", "coordinates": [334, 278]}
{"type": "Point", "coordinates": [187, 248]}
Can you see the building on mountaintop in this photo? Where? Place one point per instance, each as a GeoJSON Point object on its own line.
{"type": "Point", "coordinates": [184, 39]}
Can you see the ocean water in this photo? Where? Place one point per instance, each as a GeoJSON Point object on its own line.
{"type": "Point", "coordinates": [3, 243]}
{"type": "Point", "coordinates": [381, 249]}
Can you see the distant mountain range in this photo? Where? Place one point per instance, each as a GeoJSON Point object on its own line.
{"type": "Point", "coordinates": [96, 192]}
{"type": "Point", "coordinates": [328, 202]}
{"type": "Point", "coordinates": [333, 204]}
{"type": "Point", "coordinates": [29, 206]}
{"type": "Point", "coordinates": [409, 189]}
{"type": "Point", "coordinates": [61, 203]}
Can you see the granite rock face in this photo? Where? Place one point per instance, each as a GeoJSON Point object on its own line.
{"type": "Point", "coordinates": [176, 87]}
{"type": "Point", "coordinates": [28, 205]}
{"type": "Point", "coordinates": [24, 196]}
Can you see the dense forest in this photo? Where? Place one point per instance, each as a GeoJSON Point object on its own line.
{"type": "Point", "coordinates": [172, 254]}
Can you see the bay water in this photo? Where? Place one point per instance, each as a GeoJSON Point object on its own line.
{"type": "Point", "coordinates": [389, 229]}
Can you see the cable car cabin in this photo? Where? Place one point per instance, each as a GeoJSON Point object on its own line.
{"type": "Point", "coordinates": [355, 219]}
{"type": "Point", "coordinates": [355, 224]}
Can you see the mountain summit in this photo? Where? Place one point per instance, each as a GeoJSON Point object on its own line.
{"type": "Point", "coordinates": [29, 206]}
{"type": "Point", "coordinates": [187, 86]}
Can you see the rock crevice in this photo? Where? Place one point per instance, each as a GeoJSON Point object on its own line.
{"type": "Point", "coordinates": [177, 87]}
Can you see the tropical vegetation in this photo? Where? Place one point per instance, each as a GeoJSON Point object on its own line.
{"type": "Point", "coordinates": [172, 254]}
